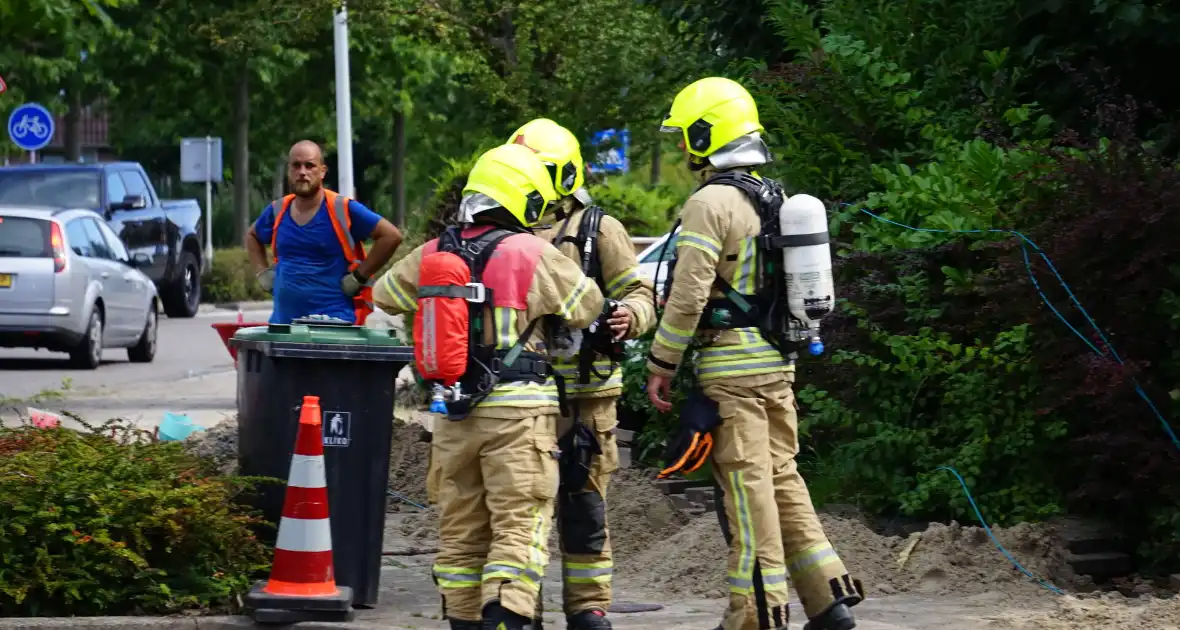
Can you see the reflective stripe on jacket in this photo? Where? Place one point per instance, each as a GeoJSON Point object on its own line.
{"type": "Point", "coordinates": [623, 282]}
{"type": "Point", "coordinates": [716, 239]}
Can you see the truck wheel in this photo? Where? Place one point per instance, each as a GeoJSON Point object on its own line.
{"type": "Point", "coordinates": [145, 350]}
{"type": "Point", "coordinates": [183, 296]}
{"type": "Point", "coordinates": [88, 353]}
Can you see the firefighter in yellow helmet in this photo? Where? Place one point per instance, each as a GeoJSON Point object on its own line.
{"type": "Point", "coordinates": [588, 363]}
{"type": "Point", "coordinates": [494, 456]}
{"type": "Point", "coordinates": [744, 406]}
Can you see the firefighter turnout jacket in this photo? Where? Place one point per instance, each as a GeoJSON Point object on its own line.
{"type": "Point", "coordinates": [538, 280]}
{"type": "Point", "coordinates": [621, 280]}
{"type": "Point", "coordinates": [717, 239]}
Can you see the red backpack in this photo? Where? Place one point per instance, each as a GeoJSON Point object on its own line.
{"type": "Point", "coordinates": [449, 325]}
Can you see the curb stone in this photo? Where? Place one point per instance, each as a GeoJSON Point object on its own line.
{"type": "Point", "coordinates": [233, 306]}
{"type": "Point", "coordinates": [237, 622]}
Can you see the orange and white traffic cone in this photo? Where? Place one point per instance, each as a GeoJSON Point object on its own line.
{"type": "Point", "coordinates": [302, 584]}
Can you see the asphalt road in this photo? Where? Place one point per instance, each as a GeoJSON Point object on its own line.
{"type": "Point", "coordinates": [188, 348]}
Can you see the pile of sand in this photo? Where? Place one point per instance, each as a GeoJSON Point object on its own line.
{"type": "Point", "coordinates": [946, 560]}
{"type": "Point", "coordinates": [638, 515]}
{"type": "Point", "coordinates": [659, 547]}
{"type": "Point", "coordinates": [219, 443]}
{"type": "Point", "coordinates": [1109, 611]}
{"type": "Point", "coordinates": [955, 559]}
{"type": "Point", "coordinates": [408, 463]}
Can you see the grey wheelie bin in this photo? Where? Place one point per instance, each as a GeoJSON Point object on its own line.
{"type": "Point", "coordinates": [353, 370]}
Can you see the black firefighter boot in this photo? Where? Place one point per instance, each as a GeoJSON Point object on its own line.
{"type": "Point", "coordinates": [592, 619]}
{"type": "Point", "coordinates": [836, 617]}
{"type": "Point", "coordinates": [463, 624]}
{"type": "Point", "coordinates": [496, 617]}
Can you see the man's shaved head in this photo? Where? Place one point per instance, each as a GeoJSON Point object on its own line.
{"type": "Point", "coordinates": [303, 147]}
{"type": "Point", "coordinates": [306, 168]}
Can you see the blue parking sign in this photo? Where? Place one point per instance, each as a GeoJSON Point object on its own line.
{"type": "Point", "coordinates": [614, 159]}
{"type": "Point", "coordinates": [30, 126]}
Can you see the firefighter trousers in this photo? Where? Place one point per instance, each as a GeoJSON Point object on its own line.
{"type": "Point", "coordinates": [495, 482]}
{"type": "Point", "coordinates": [767, 504]}
{"type": "Point", "coordinates": [581, 515]}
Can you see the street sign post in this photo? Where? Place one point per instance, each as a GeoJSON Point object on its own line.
{"type": "Point", "coordinates": [200, 161]}
{"type": "Point", "coordinates": [30, 126]}
{"type": "Point", "coordinates": [614, 159]}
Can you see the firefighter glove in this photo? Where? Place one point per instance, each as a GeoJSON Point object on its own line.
{"type": "Point", "coordinates": [351, 284]}
{"type": "Point", "coordinates": [689, 448]}
{"type": "Point", "coordinates": [266, 279]}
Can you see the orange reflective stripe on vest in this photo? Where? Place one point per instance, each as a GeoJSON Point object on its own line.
{"type": "Point", "coordinates": [341, 220]}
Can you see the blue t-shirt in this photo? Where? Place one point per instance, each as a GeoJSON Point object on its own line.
{"type": "Point", "coordinates": [311, 262]}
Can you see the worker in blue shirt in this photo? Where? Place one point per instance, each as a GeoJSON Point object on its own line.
{"type": "Point", "coordinates": [315, 237]}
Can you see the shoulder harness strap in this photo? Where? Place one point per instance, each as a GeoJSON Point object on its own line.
{"type": "Point", "coordinates": [477, 252]}
{"type": "Point", "coordinates": [761, 193]}
{"type": "Point", "coordinates": [279, 206]}
{"type": "Point", "coordinates": [342, 223]}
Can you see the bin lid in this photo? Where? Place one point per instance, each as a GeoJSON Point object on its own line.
{"type": "Point", "coordinates": [325, 341]}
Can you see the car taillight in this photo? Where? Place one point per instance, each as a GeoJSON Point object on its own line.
{"type": "Point", "coordinates": [59, 248]}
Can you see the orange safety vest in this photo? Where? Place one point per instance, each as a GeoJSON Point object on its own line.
{"type": "Point", "coordinates": [354, 252]}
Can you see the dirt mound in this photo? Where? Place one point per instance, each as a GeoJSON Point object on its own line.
{"type": "Point", "coordinates": [657, 546]}
{"type": "Point", "coordinates": [689, 562]}
{"type": "Point", "coordinates": [408, 463]}
{"type": "Point", "coordinates": [1110, 611]}
{"type": "Point", "coordinates": [639, 515]}
{"type": "Point", "coordinates": [957, 560]}
{"type": "Point", "coordinates": [219, 443]}
{"type": "Point", "coordinates": [946, 559]}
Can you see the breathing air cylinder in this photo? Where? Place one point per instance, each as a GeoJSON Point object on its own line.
{"type": "Point", "coordinates": [807, 264]}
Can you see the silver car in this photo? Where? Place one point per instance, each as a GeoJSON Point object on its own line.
{"type": "Point", "coordinates": [67, 284]}
{"type": "Point", "coordinates": [655, 261]}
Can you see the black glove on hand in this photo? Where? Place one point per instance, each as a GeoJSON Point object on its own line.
{"type": "Point", "coordinates": [692, 444]}
{"type": "Point", "coordinates": [352, 283]}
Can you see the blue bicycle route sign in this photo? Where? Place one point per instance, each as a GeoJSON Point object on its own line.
{"type": "Point", "coordinates": [30, 126]}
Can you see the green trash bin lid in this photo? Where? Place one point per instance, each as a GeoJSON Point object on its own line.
{"type": "Point", "coordinates": [324, 341]}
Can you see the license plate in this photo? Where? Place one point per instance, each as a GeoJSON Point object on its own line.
{"type": "Point", "coordinates": [5, 281]}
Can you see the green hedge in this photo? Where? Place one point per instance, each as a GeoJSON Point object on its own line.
{"type": "Point", "coordinates": [231, 279]}
{"type": "Point", "coordinates": [108, 522]}
{"type": "Point", "coordinates": [644, 211]}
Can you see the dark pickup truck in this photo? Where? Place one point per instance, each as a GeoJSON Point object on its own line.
{"type": "Point", "coordinates": [165, 231]}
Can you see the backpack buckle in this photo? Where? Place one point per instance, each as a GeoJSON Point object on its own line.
{"type": "Point", "coordinates": [477, 292]}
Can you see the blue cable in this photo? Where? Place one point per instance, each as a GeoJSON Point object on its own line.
{"type": "Point", "coordinates": [403, 498]}
{"type": "Point", "coordinates": [995, 540]}
{"type": "Point", "coordinates": [1026, 243]}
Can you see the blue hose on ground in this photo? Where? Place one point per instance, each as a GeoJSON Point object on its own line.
{"type": "Point", "coordinates": [979, 515]}
{"type": "Point", "coordinates": [404, 499]}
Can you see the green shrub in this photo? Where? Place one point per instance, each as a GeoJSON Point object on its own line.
{"type": "Point", "coordinates": [643, 211]}
{"type": "Point", "coordinates": [922, 401]}
{"type": "Point", "coordinates": [108, 521]}
{"type": "Point", "coordinates": [657, 427]}
{"type": "Point", "coordinates": [231, 279]}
